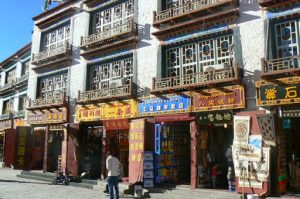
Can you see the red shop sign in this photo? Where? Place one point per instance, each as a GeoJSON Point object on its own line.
{"type": "Point", "coordinates": [118, 124]}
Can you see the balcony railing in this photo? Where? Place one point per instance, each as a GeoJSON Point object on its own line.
{"type": "Point", "coordinates": [267, 3]}
{"type": "Point", "coordinates": [5, 116]}
{"type": "Point", "coordinates": [109, 93]}
{"type": "Point", "coordinates": [183, 9]}
{"type": "Point", "coordinates": [280, 65]}
{"type": "Point", "coordinates": [51, 55]}
{"type": "Point", "coordinates": [22, 78]}
{"type": "Point", "coordinates": [20, 113]}
{"type": "Point", "coordinates": [96, 38]}
{"type": "Point", "coordinates": [56, 101]}
{"type": "Point", "coordinates": [196, 79]}
{"type": "Point", "coordinates": [7, 85]}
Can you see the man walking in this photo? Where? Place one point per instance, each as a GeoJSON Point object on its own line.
{"type": "Point", "coordinates": [112, 166]}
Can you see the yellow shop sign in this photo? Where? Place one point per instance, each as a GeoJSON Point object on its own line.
{"type": "Point", "coordinates": [118, 110]}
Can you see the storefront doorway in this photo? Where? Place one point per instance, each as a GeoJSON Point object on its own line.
{"type": "Point", "coordinates": [214, 141]}
{"type": "Point", "coordinates": [38, 149]}
{"type": "Point", "coordinates": [172, 151]}
{"type": "Point", "coordinates": [1, 147]}
{"type": "Point", "coordinates": [90, 144]}
{"type": "Point", "coordinates": [118, 144]}
{"type": "Point", "coordinates": [54, 150]}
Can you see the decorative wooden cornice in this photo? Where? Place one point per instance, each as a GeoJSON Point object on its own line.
{"type": "Point", "coordinates": [269, 4]}
{"type": "Point", "coordinates": [120, 92]}
{"type": "Point", "coordinates": [203, 22]}
{"type": "Point", "coordinates": [56, 18]}
{"type": "Point", "coordinates": [195, 80]}
{"type": "Point", "coordinates": [61, 100]}
{"type": "Point", "coordinates": [19, 53]}
{"type": "Point", "coordinates": [93, 3]}
{"type": "Point", "coordinates": [110, 40]}
{"type": "Point", "coordinates": [59, 55]}
{"type": "Point", "coordinates": [280, 67]}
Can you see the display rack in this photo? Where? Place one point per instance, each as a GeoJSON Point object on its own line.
{"type": "Point", "coordinates": [148, 170]}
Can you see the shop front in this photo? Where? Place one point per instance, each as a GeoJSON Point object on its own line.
{"type": "Point", "coordinates": [282, 98]}
{"type": "Point", "coordinates": [214, 110]}
{"type": "Point", "coordinates": [49, 138]}
{"type": "Point", "coordinates": [7, 142]}
{"type": "Point", "coordinates": [173, 130]}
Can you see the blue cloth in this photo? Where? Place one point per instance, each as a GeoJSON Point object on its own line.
{"type": "Point", "coordinates": [113, 186]}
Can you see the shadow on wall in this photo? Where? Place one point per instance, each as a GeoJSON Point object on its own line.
{"type": "Point", "coordinates": [144, 32]}
{"type": "Point", "coordinates": [250, 77]}
{"type": "Point", "coordinates": [246, 7]}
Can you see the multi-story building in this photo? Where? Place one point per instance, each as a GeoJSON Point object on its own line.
{"type": "Point", "coordinates": [13, 97]}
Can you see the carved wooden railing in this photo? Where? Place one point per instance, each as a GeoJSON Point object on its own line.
{"type": "Point", "coordinates": [20, 113]}
{"type": "Point", "coordinates": [183, 9]}
{"type": "Point", "coordinates": [107, 93]}
{"type": "Point", "coordinates": [129, 27]}
{"type": "Point", "coordinates": [44, 56]}
{"type": "Point", "coordinates": [59, 99]}
{"type": "Point", "coordinates": [22, 78]}
{"type": "Point", "coordinates": [280, 65]}
{"type": "Point", "coordinates": [8, 85]}
{"type": "Point", "coordinates": [5, 116]}
{"type": "Point", "coordinates": [196, 79]}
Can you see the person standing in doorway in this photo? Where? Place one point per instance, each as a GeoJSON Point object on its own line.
{"type": "Point", "coordinates": [112, 166]}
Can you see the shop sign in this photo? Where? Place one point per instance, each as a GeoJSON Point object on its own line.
{"type": "Point", "coordinates": [119, 110]}
{"type": "Point", "coordinates": [168, 104]}
{"type": "Point", "coordinates": [5, 124]}
{"type": "Point", "coordinates": [118, 124]}
{"type": "Point", "coordinates": [19, 122]}
{"type": "Point", "coordinates": [56, 127]}
{"type": "Point", "coordinates": [172, 118]}
{"type": "Point", "coordinates": [231, 97]}
{"type": "Point", "coordinates": [23, 152]}
{"type": "Point", "coordinates": [290, 111]}
{"type": "Point", "coordinates": [47, 116]}
{"type": "Point", "coordinates": [280, 92]}
{"type": "Point", "coordinates": [88, 113]}
{"type": "Point", "coordinates": [215, 117]}
{"type": "Point", "coordinates": [136, 149]}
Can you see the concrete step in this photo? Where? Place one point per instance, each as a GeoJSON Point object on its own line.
{"type": "Point", "coordinates": [33, 177]}
{"type": "Point", "coordinates": [40, 174]}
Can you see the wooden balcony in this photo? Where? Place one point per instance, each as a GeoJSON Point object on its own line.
{"type": "Point", "coordinates": [54, 56]}
{"type": "Point", "coordinates": [192, 14]}
{"type": "Point", "coordinates": [5, 116]}
{"type": "Point", "coordinates": [60, 100]}
{"type": "Point", "coordinates": [18, 114]}
{"type": "Point", "coordinates": [275, 3]}
{"type": "Point", "coordinates": [22, 81]}
{"type": "Point", "coordinates": [280, 66]}
{"type": "Point", "coordinates": [125, 91]}
{"type": "Point", "coordinates": [194, 80]}
{"type": "Point", "coordinates": [7, 87]}
{"type": "Point", "coordinates": [110, 39]}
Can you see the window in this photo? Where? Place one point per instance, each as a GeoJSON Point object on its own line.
{"type": "Point", "coordinates": [53, 87]}
{"type": "Point", "coordinates": [175, 3]}
{"type": "Point", "coordinates": [22, 102]}
{"type": "Point", "coordinates": [113, 17]}
{"type": "Point", "coordinates": [7, 106]}
{"type": "Point", "coordinates": [10, 76]}
{"type": "Point", "coordinates": [55, 38]}
{"type": "Point", "coordinates": [25, 68]}
{"type": "Point", "coordinates": [109, 75]}
{"type": "Point", "coordinates": [201, 56]}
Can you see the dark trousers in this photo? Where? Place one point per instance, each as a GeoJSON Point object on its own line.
{"type": "Point", "coordinates": [113, 187]}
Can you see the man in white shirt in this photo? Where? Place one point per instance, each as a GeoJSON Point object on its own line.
{"type": "Point", "coordinates": [112, 166]}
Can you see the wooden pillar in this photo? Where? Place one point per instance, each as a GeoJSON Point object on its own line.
{"type": "Point", "coordinates": [45, 163]}
{"type": "Point", "coordinates": [72, 149]}
{"type": "Point", "coordinates": [64, 150]}
{"type": "Point", "coordinates": [194, 154]}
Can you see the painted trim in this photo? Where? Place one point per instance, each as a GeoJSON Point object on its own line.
{"type": "Point", "coordinates": [275, 15]}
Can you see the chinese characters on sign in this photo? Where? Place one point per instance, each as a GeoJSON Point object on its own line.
{"type": "Point", "coordinates": [215, 117]}
{"type": "Point", "coordinates": [119, 110]}
{"type": "Point", "coordinates": [47, 116]}
{"type": "Point", "coordinates": [285, 92]}
{"type": "Point", "coordinates": [118, 124]}
{"type": "Point", "coordinates": [232, 97]}
{"type": "Point", "coordinates": [167, 104]}
{"type": "Point", "coordinates": [88, 113]}
{"type": "Point", "coordinates": [22, 139]}
{"type": "Point", "coordinates": [136, 148]}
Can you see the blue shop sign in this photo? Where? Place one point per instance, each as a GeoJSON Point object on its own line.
{"type": "Point", "coordinates": [165, 105]}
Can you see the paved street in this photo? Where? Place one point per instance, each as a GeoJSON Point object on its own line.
{"type": "Point", "coordinates": [12, 187]}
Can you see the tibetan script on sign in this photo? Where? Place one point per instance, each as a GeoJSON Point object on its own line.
{"type": "Point", "coordinates": [231, 97]}
{"type": "Point", "coordinates": [280, 92]}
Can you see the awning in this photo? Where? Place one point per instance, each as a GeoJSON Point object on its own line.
{"type": "Point", "coordinates": [118, 124]}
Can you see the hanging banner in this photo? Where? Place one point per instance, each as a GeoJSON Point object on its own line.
{"type": "Point", "coordinates": [88, 113]}
{"type": "Point", "coordinates": [267, 128]}
{"type": "Point", "coordinates": [23, 148]}
{"type": "Point", "coordinates": [119, 110]}
{"type": "Point", "coordinates": [214, 117]}
{"type": "Point", "coordinates": [168, 104]}
{"type": "Point", "coordinates": [47, 116]}
{"type": "Point", "coordinates": [136, 150]}
{"type": "Point", "coordinates": [118, 124]}
{"type": "Point", "coordinates": [230, 97]}
{"type": "Point", "coordinates": [278, 92]}
{"type": "Point", "coordinates": [241, 130]}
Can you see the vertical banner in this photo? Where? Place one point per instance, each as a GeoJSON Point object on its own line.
{"type": "Point", "coordinates": [23, 148]}
{"type": "Point", "coordinates": [241, 130]}
{"type": "Point", "coordinates": [136, 149]}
